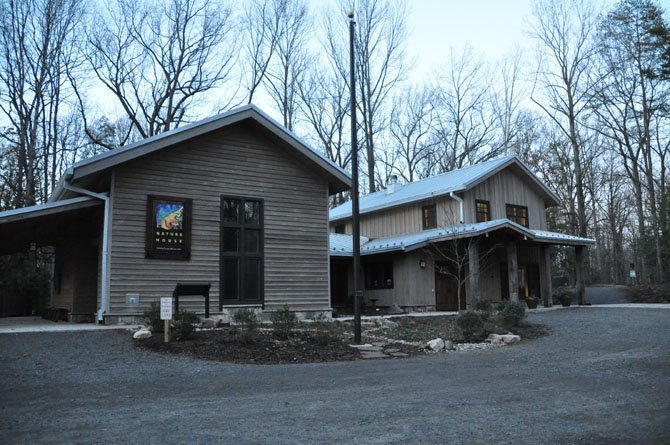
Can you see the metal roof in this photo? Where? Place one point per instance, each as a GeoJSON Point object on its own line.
{"type": "Point", "coordinates": [454, 181]}
{"type": "Point", "coordinates": [47, 209]}
{"type": "Point", "coordinates": [337, 176]}
{"type": "Point", "coordinates": [341, 245]}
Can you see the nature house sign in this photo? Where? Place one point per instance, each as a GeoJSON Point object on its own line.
{"type": "Point", "coordinates": [168, 227]}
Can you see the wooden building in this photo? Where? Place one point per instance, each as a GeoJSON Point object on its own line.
{"type": "Point", "coordinates": [451, 240]}
{"type": "Point", "coordinates": [235, 200]}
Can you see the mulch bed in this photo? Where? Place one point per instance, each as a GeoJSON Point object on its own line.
{"type": "Point", "coordinates": [307, 345]}
{"type": "Point", "coordinates": [657, 293]}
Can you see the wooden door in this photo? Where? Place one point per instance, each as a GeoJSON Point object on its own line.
{"type": "Point", "coordinates": [446, 289]}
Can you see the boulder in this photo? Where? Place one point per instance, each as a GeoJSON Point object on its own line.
{"type": "Point", "coordinates": [209, 323]}
{"type": "Point", "coordinates": [390, 324]}
{"type": "Point", "coordinates": [436, 344]}
{"type": "Point", "coordinates": [510, 338]}
{"type": "Point", "coordinates": [497, 339]}
{"type": "Point", "coordinates": [449, 345]}
{"type": "Point", "coordinates": [142, 333]}
{"type": "Point", "coordinates": [395, 309]}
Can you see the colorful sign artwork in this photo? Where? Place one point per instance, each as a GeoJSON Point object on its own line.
{"type": "Point", "coordinates": [168, 233]}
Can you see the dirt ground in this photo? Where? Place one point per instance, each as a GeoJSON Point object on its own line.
{"type": "Point", "coordinates": [326, 342]}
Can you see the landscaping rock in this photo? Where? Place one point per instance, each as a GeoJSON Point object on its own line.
{"type": "Point", "coordinates": [373, 354]}
{"type": "Point", "coordinates": [209, 323]}
{"type": "Point", "coordinates": [398, 354]}
{"type": "Point", "coordinates": [497, 339]}
{"type": "Point", "coordinates": [449, 345]}
{"type": "Point", "coordinates": [142, 333]}
{"type": "Point", "coordinates": [395, 309]}
{"type": "Point", "coordinates": [390, 324]}
{"type": "Point", "coordinates": [436, 344]}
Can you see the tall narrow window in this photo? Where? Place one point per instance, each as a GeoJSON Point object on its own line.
{"type": "Point", "coordinates": [482, 211]}
{"type": "Point", "coordinates": [429, 214]}
{"type": "Point", "coordinates": [241, 251]}
{"type": "Point", "coordinates": [518, 214]}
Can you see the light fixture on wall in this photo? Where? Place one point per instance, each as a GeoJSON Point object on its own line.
{"type": "Point", "coordinates": [422, 263]}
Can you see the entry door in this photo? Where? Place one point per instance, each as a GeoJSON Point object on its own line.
{"type": "Point", "coordinates": [446, 289]}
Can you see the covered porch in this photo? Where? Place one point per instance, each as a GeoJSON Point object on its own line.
{"type": "Point", "coordinates": [70, 232]}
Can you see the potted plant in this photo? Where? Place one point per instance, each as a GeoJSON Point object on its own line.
{"type": "Point", "coordinates": [531, 302]}
{"type": "Point", "coordinates": [565, 299]}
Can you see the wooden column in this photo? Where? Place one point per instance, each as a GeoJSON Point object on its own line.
{"type": "Point", "coordinates": [545, 275]}
{"type": "Point", "coordinates": [473, 293]}
{"type": "Point", "coordinates": [512, 271]}
{"type": "Point", "coordinates": [579, 274]}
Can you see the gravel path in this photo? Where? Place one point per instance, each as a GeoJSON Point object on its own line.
{"type": "Point", "coordinates": [601, 377]}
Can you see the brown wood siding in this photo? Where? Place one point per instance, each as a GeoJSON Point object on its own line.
{"type": "Point", "coordinates": [403, 219]}
{"type": "Point", "coordinates": [66, 269]}
{"type": "Point", "coordinates": [235, 161]}
{"type": "Point", "coordinates": [412, 285]}
{"type": "Point", "coordinates": [503, 188]}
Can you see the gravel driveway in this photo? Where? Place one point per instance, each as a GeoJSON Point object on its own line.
{"type": "Point", "coordinates": [603, 376]}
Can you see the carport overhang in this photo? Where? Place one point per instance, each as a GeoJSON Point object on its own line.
{"type": "Point", "coordinates": [44, 225]}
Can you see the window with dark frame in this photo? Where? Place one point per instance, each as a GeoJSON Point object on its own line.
{"type": "Point", "coordinates": [379, 275]}
{"type": "Point", "coordinates": [429, 214]}
{"type": "Point", "coordinates": [241, 251]}
{"type": "Point", "coordinates": [482, 211]}
{"type": "Point", "coordinates": [518, 214]}
{"type": "Point", "coordinates": [340, 228]}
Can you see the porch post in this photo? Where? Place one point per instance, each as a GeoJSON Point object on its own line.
{"type": "Point", "coordinates": [472, 294]}
{"type": "Point", "coordinates": [512, 271]}
{"type": "Point", "coordinates": [579, 274]}
{"type": "Point", "coordinates": [545, 275]}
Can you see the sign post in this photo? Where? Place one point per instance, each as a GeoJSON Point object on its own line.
{"type": "Point", "coordinates": [166, 315]}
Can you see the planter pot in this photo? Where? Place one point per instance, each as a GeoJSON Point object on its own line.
{"type": "Point", "coordinates": [566, 300]}
{"type": "Point", "coordinates": [532, 303]}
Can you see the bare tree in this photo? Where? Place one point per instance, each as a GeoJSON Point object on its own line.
{"type": "Point", "coordinates": [464, 124]}
{"type": "Point", "coordinates": [158, 57]}
{"type": "Point", "coordinates": [380, 63]}
{"type": "Point", "coordinates": [506, 101]}
{"type": "Point", "coordinates": [37, 44]}
{"type": "Point", "coordinates": [410, 129]}
{"type": "Point", "coordinates": [564, 32]}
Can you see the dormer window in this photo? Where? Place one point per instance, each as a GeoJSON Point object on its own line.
{"type": "Point", "coordinates": [518, 214]}
{"type": "Point", "coordinates": [482, 211]}
{"type": "Point", "coordinates": [429, 214]}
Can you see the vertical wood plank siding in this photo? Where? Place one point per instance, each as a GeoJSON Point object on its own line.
{"type": "Point", "coordinates": [412, 285]}
{"type": "Point", "coordinates": [505, 187]}
{"type": "Point", "coordinates": [236, 161]}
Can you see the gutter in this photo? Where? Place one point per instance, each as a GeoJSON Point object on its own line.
{"type": "Point", "coordinates": [460, 204]}
{"type": "Point", "coordinates": [104, 291]}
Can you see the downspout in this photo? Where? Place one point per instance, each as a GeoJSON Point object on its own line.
{"type": "Point", "coordinates": [104, 291]}
{"type": "Point", "coordinates": [460, 204]}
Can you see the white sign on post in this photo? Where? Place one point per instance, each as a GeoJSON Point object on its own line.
{"type": "Point", "coordinates": [166, 308]}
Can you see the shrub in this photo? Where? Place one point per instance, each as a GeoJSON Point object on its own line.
{"type": "Point", "coordinates": [152, 318]}
{"type": "Point", "coordinates": [283, 322]}
{"type": "Point", "coordinates": [184, 325]}
{"type": "Point", "coordinates": [248, 322]}
{"type": "Point", "coordinates": [483, 305]}
{"type": "Point", "coordinates": [323, 334]}
{"type": "Point", "coordinates": [511, 313]}
{"type": "Point", "coordinates": [471, 325]}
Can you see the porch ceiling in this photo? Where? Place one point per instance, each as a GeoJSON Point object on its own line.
{"type": "Point", "coordinates": [47, 224]}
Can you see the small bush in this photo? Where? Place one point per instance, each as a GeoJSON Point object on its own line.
{"type": "Point", "coordinates": [184, 325]}
{"type": "Point", "coordinates": [152, 318]}
{"type": "Point", "coordinates": [323, 334]}
{"type": "Point", "coordinates": [484, 306]}
{"type": "Point", "coordinates": [283, 322]}
{"type": "Point", "coordinates": [511, 313]}
{"type": "Point", "coordinates": [248, 322]}
{"type": "Point", "coordinates": [471, 325]}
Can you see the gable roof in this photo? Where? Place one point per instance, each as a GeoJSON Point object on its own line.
{"type": "Point", "coordinates": [454, 181]}
{"type": "Point", "coordinates": [342, 245]}
{"type": "Point", "coordinates": [338, 179]}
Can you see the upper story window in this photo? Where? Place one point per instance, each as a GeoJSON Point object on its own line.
{"type": "Point", "coordinates": [518, 214]}
{"type": "Point", "coordinates": [379, 275]}
{"type": "Point", "coordinates": [429, 216]}
{"type": "Point", "coordinates": [482, 211]}
{"type": "Point", "coordinates": [340, 228]}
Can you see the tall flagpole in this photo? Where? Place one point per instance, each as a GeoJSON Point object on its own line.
{"type": "Point", "coordinates": [358, 293]}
